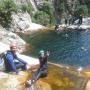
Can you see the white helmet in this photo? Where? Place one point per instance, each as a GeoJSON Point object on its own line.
{"type": "Point", "coordinates": [41, 51]}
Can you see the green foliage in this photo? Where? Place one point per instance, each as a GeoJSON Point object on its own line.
{"type": "Point", "coordinates": [6, 7]}
{"type": "Point", "coordinates": [46, 7]}
{"type": "Point", "coordinates": [48, 10]}
{"type": "Point", "coordinates": [41, 18]}
{"type": "Point", "coordinates": [28, 8]}
{"type": "Point", "coordinates": [81, 9]}
{"type": "Point", "coordinates": [61, 6]}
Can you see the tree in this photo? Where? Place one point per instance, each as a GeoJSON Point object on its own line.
{"type": "Point", "coordinates": [6, 8]}
{"type": "Point", "coordinates": [41, 18]}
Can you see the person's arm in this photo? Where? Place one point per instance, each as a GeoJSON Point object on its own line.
{"type": "Point", "coordinates": [9, 58]}
{"type": "Point", "coordinates": [47, 53]}
{"type": "Point", "coordinates": [20, 60]}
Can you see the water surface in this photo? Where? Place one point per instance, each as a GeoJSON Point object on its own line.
{"type": "Point", "coordinates": [68, 47]}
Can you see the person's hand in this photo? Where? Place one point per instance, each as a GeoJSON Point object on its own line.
{"type": "Point", "coordinates": [48, 53]}
{"type": "Point", "coordinates": [28, 66]}
{"type": "Point", "coordinates": [20, 73]}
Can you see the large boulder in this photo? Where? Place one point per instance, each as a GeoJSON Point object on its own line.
{"type": "Point", "coordinates": [7, 37]}
{"type": "Point", "coordinates": [21, 21]}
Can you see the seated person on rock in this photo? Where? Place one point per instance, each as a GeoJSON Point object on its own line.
{"type": "Point", "coordinates": [10, 58]}
{"type": "Point", "coordinates": [42, 70]}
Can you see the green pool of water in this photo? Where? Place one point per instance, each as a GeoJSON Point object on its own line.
{"type": "Point", "coordinates": [68, 47]}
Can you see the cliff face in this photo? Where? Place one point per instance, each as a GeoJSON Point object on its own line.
{"type": "Point", "coordinates": [53, 10]}
{"type": "Point", "coordinates": [66, 7]}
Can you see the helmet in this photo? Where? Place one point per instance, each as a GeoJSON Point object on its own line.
{"type": "Point", "coordinates": [41, 51]}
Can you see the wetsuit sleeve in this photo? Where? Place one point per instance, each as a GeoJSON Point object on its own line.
{"type": "Point", "coordinates": [21, 60]}
{"type": "Point", "coordinates": [47, 54]}
{"type": "Point", "coordinates": [9, 58]}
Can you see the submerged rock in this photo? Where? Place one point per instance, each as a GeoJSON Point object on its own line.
{"type": "Point", "coordinates": [63, 78]}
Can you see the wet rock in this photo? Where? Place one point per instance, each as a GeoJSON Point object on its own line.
{"type": "Point", "coordinates": [13, 81]}
{"type": "Point", "coordinates": [39, 85]}
{"type": "Point", "coordinates": [88, 85]}
{"type": "Point", "coordinates": [86, 72]}
{"type": "Point", "coordinates": [62, 78]}
{"type": "Point", "coordinates": [59, 78]}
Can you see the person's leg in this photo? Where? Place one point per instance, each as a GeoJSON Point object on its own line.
{"type": "Point", "coordinates": [20, 65]}
{"type": "Point", "coordinates": [69, 21]}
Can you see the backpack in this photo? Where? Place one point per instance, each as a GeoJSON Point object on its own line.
{"type": "Point", "coordinates": [4, 66]}
{"type": "Point", "coordinates": [2, 61]}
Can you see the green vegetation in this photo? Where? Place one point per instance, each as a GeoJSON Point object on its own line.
{"type": "Point", "coordinates": [27, 8]}
{"type": "Point", "coordinates": [41, 18]}
{"type": "Point", "coordinates": [47, 12]}
{"type": "Point", "coordinates": [82, 9]}
{"type": "Point", "coordinates": [6, 8]}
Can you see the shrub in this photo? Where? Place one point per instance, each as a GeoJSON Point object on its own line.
{"type": "Point", "coordinates": [41, 18]}
{"type": "Point", "coordinates": [48, 10]}
{"type": "Point", "coordinates": [27, 8]}
{"type": "Point", "coordinates": [6, 7]}
{"type": "Point", "coordinates": [81, 9]}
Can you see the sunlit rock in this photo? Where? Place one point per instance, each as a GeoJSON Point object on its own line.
{"type": "Point", "coordinates": [88, 85]}
{"type": "Point", "coordinates": [21, 21]}
{"type": "Point", "coordinates": [12, 81]}
{"type": "Point", "coordinates": [86, 72]}
{"type": "Point", "coordinates": [7, 37]}
{"type": "Point", "coordinates": [62, 78]}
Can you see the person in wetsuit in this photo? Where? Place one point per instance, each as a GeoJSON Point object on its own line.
{"type": "Point", "coordinates": [42, 70]}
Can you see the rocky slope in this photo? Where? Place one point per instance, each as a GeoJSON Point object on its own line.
{"type": "Point", "coordinates": [22, 22]}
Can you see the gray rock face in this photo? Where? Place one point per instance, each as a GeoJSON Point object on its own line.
{"type": "Point", "coordinates": [86, 21]}
{"type": "Point", "coordinates": [39, 2]}
{"type": "Point", "coordinates": [7, 37]}
{"type": "Point", "coordinates": [21, 21]}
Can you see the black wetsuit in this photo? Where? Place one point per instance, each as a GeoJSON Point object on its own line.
{"type": "Point", "coordinates": [42, 71]}
{"type": "Point", "coordinates": [80, 19]}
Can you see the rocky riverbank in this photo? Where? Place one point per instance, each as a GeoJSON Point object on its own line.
{"type": "Point", "coordinates": [84, 26]}
{"type": "Point", "coordinates": [65, 77]}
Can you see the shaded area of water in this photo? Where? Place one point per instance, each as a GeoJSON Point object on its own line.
{"type": "Point", "coordinates": [68, 47]}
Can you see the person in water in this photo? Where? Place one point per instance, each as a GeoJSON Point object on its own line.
{"type": "Point", "coordinates": [10, 58]}
{"type": "Point", "coordinates": [56, 27]}
{"type": "Point", "coordinates": [42, 70]}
